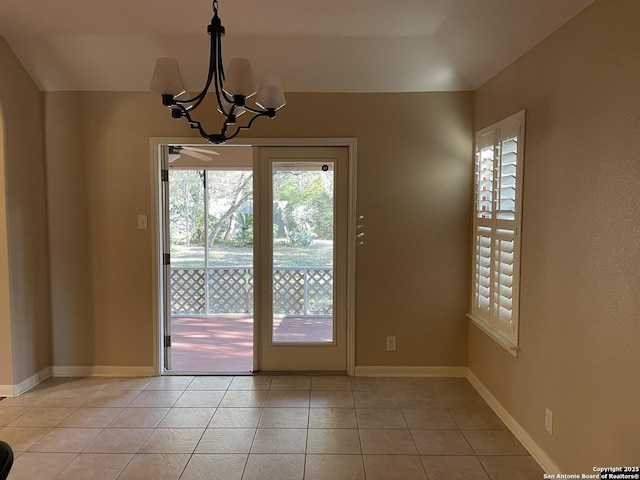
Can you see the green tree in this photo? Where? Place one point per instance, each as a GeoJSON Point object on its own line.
{"type": "Point", "coordinates": [304, 205]}
{"type": "Point", "coordinates": [186, 205]}
{"type": "Point", "coordinates": [244, 235]}
{"type": "Point", "coordinates": [236, 189]}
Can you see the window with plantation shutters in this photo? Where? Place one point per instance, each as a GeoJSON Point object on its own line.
{"type": "Point", "coordinates": [496, 225]}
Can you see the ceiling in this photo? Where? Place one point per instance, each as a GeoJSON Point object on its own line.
{"type": "Point", "coordinates": [314, 46]}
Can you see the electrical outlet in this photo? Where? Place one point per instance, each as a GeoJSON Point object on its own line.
{"type": "Point", "coordinates": [548, 421]}
{"type": "Point", "coordinates": [391, 344]}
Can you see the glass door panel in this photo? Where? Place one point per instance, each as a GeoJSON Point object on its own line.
{"type": "Point", "coordinates": [303, 224]}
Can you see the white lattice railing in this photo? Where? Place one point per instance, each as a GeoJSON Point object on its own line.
{"type": "Point", "coordinates": [304, 291]}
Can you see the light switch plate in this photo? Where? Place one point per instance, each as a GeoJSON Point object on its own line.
{"type": "Point", "coordinates": [142, 222]}
{"type": "Point", "coordinates": [391, 344]}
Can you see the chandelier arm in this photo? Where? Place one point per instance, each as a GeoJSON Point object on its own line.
{"type": "Point", "coordinates": [248, 125]}
{"type": "Point", "coordinates": [219, 81]}
{"type": "Point", "coordinates": [216, 138]}
{"type": "Point", "coordinates": [178, 111]}
{"type": "Point", "coordinates": [212, 137]}
{"type": "Point", "coordinates": [197, 100]}
{"type": "Point", "coordinates": [256, 111]}
{"type": "Point", "coordinates": [222, 78]}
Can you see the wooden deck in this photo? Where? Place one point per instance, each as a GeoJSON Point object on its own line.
{"type": "Point", "coordinates": [224, 344]}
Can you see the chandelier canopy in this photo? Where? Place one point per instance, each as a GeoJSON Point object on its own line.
{"type": "Point", "coordinates": [231, 89]}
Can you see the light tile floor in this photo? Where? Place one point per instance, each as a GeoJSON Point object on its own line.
{"type": "Point", "coordinates": [244, 428]}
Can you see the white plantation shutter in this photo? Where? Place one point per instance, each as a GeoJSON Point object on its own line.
{"type": "Point", "coordinates": [507, 167]}
{"type": "Point", "coordinates": [503, 281]}
{"type": "Point", "coordinates": [498, 194]}
{"type": "Point", "coordinates": [483, 270]}
{"type": "Point", "coordinates": [484, 176]}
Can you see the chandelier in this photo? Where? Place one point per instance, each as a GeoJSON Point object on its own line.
{"type": "Point", "coordinates": [232, 89]}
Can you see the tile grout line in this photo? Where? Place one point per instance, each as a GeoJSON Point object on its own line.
{"type": "Point", "coordinates": [255, 434]}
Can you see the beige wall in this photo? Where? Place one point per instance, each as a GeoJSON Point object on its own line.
{"type": "Point", "coordinates": [101, 266]}
{"type": "Point", "coordinates": [70, 242]}
{"type": "Point", "coordinates": [6, 348]}
{"type": "Point", "coordinates": [414, 179]}
{"type": "Point", "coordinates": [580, 299]}
{"type": "Point", "coordinates": [26, 221]}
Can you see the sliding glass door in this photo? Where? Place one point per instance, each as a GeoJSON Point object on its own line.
{"type": "Point", "coordinates": [256, 265]}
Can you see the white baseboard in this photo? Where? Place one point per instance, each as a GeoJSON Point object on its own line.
{"type": "Point", "coordinates": [540, 456]}
{"type": "Point", "coordinates": [25, 385]}
{"type": "Point", "coordinates": [71, 371]}
{"type": "Point", "coordinates": [102, 371]}
{"type": "Point", "coordinates": [383, 371]}
{"type": "Point", "coordinates": [108, 371]}
{"type": "Point", "coordinates": [74, 371]}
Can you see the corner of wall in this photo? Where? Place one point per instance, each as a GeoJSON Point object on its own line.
{"type": "Point", "coordinates": [537, 452]}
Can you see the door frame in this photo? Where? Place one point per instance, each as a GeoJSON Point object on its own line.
{"type": "Point", "coordinates": [156, 218]}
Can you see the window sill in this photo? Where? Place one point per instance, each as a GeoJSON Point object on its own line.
{"type": "Point", "coordinates": [499, 339]}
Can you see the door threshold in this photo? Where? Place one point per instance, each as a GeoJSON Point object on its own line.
{"type": "Point", "coordinates": [316, 373]}
{"type": "Point", "coordinates": [171, 373]}
{"type": "Point", "coordinates": [256, 374]}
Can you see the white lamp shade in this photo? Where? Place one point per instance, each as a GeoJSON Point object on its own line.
{"type": "Point", "coordinates": [239, 78]}
{"type": "Point", "coordinates": [166, 79]}
{"type": "Point", "coordinates": [270, 94]}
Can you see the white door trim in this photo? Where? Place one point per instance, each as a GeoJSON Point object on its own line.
{"type": "Point", "coordinates": [155, 219]}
